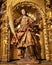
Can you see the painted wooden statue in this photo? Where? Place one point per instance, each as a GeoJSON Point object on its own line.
{"type": "Point", "coordinates": [25, 37]}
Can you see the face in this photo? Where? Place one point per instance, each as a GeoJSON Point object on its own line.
{"type": "Point", "coordinates": [23, 12]}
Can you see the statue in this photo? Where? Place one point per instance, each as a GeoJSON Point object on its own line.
{"type": "Point", "coordinates": [25, 37]}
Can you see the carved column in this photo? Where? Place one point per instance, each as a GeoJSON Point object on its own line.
{"type": "Point", "coordinates": [46, 36]}
{"type": "Point", "coordinates": [5, 35]}
{"type": "Point", "coordinates": [46, 42]}
{"type": "Point", "coordinates": [49, 26]}
{"type": "Point", "coordinates": [5, 41]}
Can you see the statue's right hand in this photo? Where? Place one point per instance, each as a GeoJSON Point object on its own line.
{"type": "Point", "coordinates": [16, 39]}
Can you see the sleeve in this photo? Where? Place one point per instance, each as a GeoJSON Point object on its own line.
{"type": "Point", "coordinates": [17, 21]}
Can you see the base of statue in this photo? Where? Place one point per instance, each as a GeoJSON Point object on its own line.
{"type": "Point", "coordinates": [27, 60]}
{"type": "Point", "coordinates": [23, 62]}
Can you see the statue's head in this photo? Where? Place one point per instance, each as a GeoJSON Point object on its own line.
{"type": "Point", "coordinates": [23, 12]}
